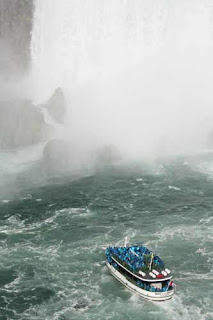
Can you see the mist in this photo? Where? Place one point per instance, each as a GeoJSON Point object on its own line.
{"type": "Point", "coordinates": [95, 80]}
{"type": "Point", "coordinates": [135, 74]}
{"type": "Point", "coordinates": [106, 132]}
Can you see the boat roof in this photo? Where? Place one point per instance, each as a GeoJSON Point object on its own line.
{"type": "Point", "coordinates": [140, 262]}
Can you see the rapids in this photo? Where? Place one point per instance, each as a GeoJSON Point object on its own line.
{"type": "Point", "coordinates": [53, 239]}
{"type": "Point", "coordinates": [137, 76]}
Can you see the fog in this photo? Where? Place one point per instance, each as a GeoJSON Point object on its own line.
{"type": "Point", "coordinates": [136, 76]}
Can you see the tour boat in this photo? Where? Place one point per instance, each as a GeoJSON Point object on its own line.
{"type": "Point", "coordinates": [144, 273]}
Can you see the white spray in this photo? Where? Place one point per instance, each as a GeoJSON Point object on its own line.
{"type": "Point", "coordinates": [136, 72]}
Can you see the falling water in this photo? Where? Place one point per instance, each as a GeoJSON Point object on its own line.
{"type": "Point", "coordinates": [76, 41]}
{"type": "Point", "coordinates": [137, 73]}
{"type": "Point", "coordinates": [146, 63]}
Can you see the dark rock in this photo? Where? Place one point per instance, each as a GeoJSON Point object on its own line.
{"type": "Point", "coordinates": [58, 157]}
{"type": "Point", "coordinates": [80, 306]}
{"type": "Point", "coordinates": [58, 153]}
{"type": "Point", "coordinates": [56, 106]}
{"type": "Point", "coordinates": [21, 124]}
{"type": "Point", "coordinates": [108, 154]}
{"type": "Point", "coordinates": [62, 155]}
{"type": "Point", "coordinates": [16, 19]}
{"type": "Point", "coordinates": [65, 156]}
{"type": "Point", "coordinates": [7, 276]}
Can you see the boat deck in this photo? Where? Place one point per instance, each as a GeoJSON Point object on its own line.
{"type": "Point", "coordinates": [140, 262]}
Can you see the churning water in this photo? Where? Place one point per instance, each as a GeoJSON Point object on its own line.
{"type": "Point", "coordinates": [53, 238]}
{"type": "Point", "coordinates": [136, 73]}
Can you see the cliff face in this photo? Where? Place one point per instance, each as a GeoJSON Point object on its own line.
{"type": "Point", "coordinates": [21, 124]}
{"type": "Point", "coordinates": [16, 17]}
{"type": "Point", "coordinates": [56, 106]}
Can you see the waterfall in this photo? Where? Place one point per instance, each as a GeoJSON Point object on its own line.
{"type": "Point", "coordinates": [153, 53]}
{"type": "Point", "coordinates": [73, 41]}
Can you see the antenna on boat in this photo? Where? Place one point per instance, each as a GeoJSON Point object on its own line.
{"type": "Point", "coordinates": [125, 241]}
{"type": "Point", "coordinates": [152, 256]}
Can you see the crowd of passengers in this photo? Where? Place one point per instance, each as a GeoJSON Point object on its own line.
{"type": "Point", "coordinates": [133, 256]}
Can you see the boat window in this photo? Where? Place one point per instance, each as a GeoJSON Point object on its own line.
{"type": "Point", "coordinates": [157, 285]}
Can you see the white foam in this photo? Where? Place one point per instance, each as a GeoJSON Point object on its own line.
{"type": "Point", "coordinates": [28, 197]}
{"type": "Point", "coordinates": [174, 188]}
{"type": "Point", "coordinates": [13, 284]}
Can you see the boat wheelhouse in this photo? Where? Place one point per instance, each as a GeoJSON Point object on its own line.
{"type": "Point", "coordinates": [141, 271]}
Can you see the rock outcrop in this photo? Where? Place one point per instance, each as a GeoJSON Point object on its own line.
{"type": "Point", "coordinates": [57, 153]}
{"type": "Point", "coordinates": [64, 155]}
{"type": "Point", "coordinates": [16, 18]}
{"type": "Point", "coordinates": [21, 124]}
{"type": "Point", "coordinates": [56, 106]}
{"type": "Point", "coordinates": [108, 154]}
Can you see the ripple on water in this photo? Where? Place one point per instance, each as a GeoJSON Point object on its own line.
{"type": "Point", "coordinates": [54, 252]}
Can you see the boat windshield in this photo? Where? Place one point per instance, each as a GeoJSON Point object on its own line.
{"type": "Point", "coordinates": [156, 286]}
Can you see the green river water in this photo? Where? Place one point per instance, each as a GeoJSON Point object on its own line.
{"type": "Point", "coordinates": [53, 237]}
